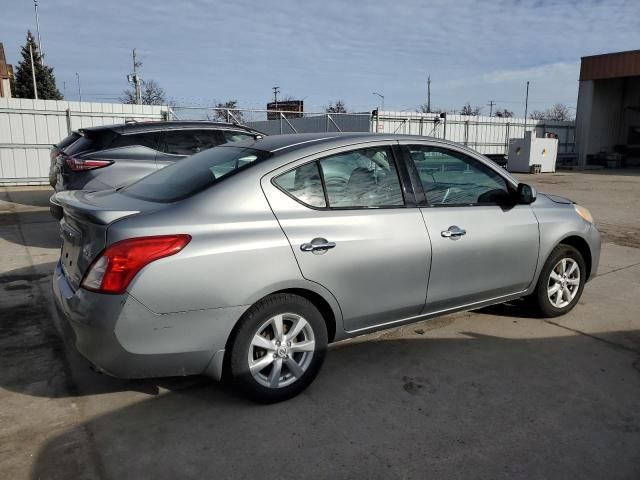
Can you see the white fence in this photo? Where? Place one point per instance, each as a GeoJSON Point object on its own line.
{"type": "Point", "coordinates": [487, 135]}
{"type": "Point", "coordinates": [28, 129]}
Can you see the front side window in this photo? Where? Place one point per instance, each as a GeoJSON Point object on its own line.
{"type": "Point", "coordinates": [192, 175]}
{"type": "Point", "coordinates": [365, 178]}
{"type": "Point", "coordinates": [449, 177]}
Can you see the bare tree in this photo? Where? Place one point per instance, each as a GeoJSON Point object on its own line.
{"type": "Point", "coordinates": [152, 94]}
{"type": "Point", "coordinates": [227, 112]}
{"type": "Point", "coordinates": [559, 112]}
{"type": "Point", "coordinates": [504, 113]}
{"type": "Point", "coordinates": [468, 110]}
{"type": "Point", "coordinates": [423, 108]}
{"type": "Point", "coordinates": [336, 107]}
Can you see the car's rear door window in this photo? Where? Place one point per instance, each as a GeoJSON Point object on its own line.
{"type": "Point", "coordinates": [146, 139]}
{"type": "Point", "coordinates": [363, 178]}
{"type": "Point", "coordinates": [188, 141]}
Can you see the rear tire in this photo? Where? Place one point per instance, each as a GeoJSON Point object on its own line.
{"type": "Point", "coordinates": [278, 348]}
{"type": "Point", "coordinates": [561, 282]}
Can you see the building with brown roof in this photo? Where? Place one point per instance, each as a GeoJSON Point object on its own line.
{"type": "Point", "coordinates": [608, 114]}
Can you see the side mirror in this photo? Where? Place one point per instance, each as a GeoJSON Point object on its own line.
{"type": "Point", "coordinates": [526, 194]}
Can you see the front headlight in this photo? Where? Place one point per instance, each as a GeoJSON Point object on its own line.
{"type": "Point", "coordinates": [584, 213]}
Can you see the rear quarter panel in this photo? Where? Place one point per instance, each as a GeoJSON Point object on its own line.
{"type": "Point", "coordinates": [237, 255]}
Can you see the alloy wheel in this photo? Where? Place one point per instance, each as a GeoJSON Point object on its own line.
{"type": "Point", "coordinates": [281, 350]}
{"type": "Point", "coordinates": [563, 283]}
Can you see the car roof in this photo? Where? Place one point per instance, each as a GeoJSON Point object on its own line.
{"type": "Point", "coordinates": [149, 126]}
{"type": "Point", "coordinates": [297, 141]}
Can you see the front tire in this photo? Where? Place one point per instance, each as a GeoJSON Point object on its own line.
{"type": "Point", "coordinates": [561, 282]}
{"type": "Point", "coordinates": [278, 348]}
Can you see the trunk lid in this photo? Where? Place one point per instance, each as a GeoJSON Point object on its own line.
{"type": "Point", "coordinates": [84, 224]}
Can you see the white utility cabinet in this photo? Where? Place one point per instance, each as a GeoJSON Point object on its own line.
{"type": "Point", "coordinates": [525, 153]}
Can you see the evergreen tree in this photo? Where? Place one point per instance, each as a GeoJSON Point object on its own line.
{"type": "Point", "coordinates": [45, 80]}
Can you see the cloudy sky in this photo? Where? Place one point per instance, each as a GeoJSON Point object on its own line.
{"type": "Point", "coordinates": [201, 50]}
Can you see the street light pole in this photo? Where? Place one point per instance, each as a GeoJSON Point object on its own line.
{"type": "Point", "coordinates": [526, 107]}
{"type": "Point", "coordinates": [381, 98]}
{"type": "Point", "coordinates": [33, 68]}
{"type": "Point", "coordinates": [35, 6]}
{"type": "Point", "coordinates": [79, 90]}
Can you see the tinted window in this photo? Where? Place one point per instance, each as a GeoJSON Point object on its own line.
{"type": "Point", "coordinates": [236, 136]}
{"type": "Point", "coordinates": [93, 141]}
{"type": "Point", "coordinates": [66, 141]}
{"type": "Point", "coordinates": [147, 139]}
{"type": "Point", "coordinates": [453, 178]}
{"type": "Point", "coordinates": [192, 175]}
{"type": "Point", "coordinates": [362, 178]}
{"type": "Point", "coordinates": [188, 142]}
{"type": "Point", "coordinates": [304, 184]}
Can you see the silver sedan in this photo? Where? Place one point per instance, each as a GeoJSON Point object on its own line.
{"type": "Point", "coordinates": [246, 260]}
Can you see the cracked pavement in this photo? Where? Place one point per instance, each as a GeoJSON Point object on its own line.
{"type": "Point", "coordinates": [492, 393]}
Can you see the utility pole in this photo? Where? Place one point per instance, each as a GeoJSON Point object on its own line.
{"type": "Point", "coordinates": [136, 78]}
{"type": "Point", "coordinates": [33, 68]}
{"type": "Point", "coordinates": [429, 94]}
{"type": "Point", "coordinates": [276, 91]}
{"type": "Point", "coordinates": [35, 6]}
{"type": "Point", "coordinates": [491, 104]}
{"type": "Point", "coordinates": [526, 106]}
{"type": "Point", "coordinates": [79, 89]}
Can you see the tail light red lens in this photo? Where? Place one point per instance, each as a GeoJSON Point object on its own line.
{"type": "Point", "coordinates": [81, 165]}
{"type": "Point", "coordinates": [112, 271]}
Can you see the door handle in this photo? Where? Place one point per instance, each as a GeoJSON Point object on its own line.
{"type": "Point", "coordinates": [454, 232]}
{"type": "Point", "coordinates": [317, 244]}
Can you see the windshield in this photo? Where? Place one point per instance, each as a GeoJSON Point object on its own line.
{"type": "Point", "coordinates": [193, 174]}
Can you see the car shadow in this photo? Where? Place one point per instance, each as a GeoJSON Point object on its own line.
{"type": "Point", "coordinates": [467, 405]}
{"type": "Point", "coordinates": [32, 197]}
{"type": "Point", "coordinates": [477, 406]}
{"type": "Point", "coordinates": [30, 228]}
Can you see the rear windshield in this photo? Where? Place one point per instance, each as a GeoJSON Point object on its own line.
{"type": "Point", "coordinates": [93, 141]}
{"type": "Point", "coordinates": [193, 174]}
{"type": "Point", "coordinates": [66, 141]}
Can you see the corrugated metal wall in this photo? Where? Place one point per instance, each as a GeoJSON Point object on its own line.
{"type": "Point", "coordinates": [28, 129]}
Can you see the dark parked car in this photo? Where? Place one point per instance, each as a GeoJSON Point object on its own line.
{"type": "Point", "coordinates": [107, 157]}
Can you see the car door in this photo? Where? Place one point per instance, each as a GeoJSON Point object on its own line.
{"type": "Point", "coordinates": [354, 230]}
{"type": "Point", "coordinates": [484, 246]}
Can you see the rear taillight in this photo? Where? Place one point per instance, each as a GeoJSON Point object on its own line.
{"type": "Point", "coordinates": [81, 165]}
{"type": "Point", "coordinates": [112, 271]}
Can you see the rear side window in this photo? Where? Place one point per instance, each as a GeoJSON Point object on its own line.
{"type": "Point", "coordinates": [365, 178]}
{"type": "Point", "coordinates": [304, 185]}
{"type": "Point", "coordinates": [147, 139]}
{"type": "Point", "coordinates": [194, 174]}
{"type": "Point", "coordinates": [236, 136]}
{"type": "Point", "coordinates": [188, 142]}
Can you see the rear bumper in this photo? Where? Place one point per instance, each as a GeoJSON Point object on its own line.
{"type": "Point", "coordinates": [123, 338]}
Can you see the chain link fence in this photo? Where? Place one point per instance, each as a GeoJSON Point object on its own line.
{"type": "Point", "coordinates": [487, 135]}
